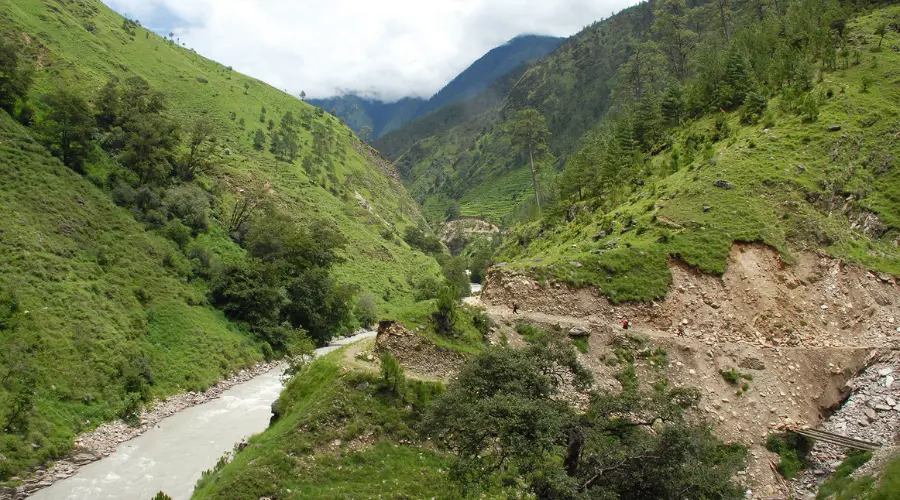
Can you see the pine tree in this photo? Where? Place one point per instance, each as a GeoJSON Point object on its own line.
{"type": "Point", "coordinates": [529, 130]}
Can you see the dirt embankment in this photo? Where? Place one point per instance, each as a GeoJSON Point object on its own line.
{"type": "Point", "coordinates": [818, 301]}
{"type": "Point", "coordinates": [801, 332]}
{"type": "Point", "coordinates": [415, 352]}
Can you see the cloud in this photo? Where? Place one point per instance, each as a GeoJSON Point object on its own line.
{"type": "Point", "coordinates": [392, 48]}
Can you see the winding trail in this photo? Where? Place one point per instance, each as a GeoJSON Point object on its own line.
{"type": "Point", "coordinates": [172, 455]}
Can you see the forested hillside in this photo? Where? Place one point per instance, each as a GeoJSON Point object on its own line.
{"type": "Point", "coordinates": [373, 118]}
{"type": "Point", "coordinates": [167, 221]}
{"type": "Point", "coordinates": [475, 165]}
{"type": "Point", "coordinates": [776, 127]}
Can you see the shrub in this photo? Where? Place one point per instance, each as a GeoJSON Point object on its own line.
{"type": "Point", "coordinates": [123, 194]}
{"type": "Point", "coordinates": [754, 107]}
{"type": "Point", "coordinates": [367, 309]}
{"type": "Point", "coordinates": [734, 377]}
{"type": "Point", "coordinates": [865, 83]}
{"type": "Point", "coordinates": [177, 232]}
{"type": "Point", "coordinates": [417, 238]}
{"type": "Point", "coordinates": [392, 378]}
{"type": "Point", "coordinates": [793, 450]}
{"type": "Point", "coordinates": [9, 306]}
{"type": "Point", "coordinates": [190, 204]}
{"type": "Point", "coordinates": [445, 316]}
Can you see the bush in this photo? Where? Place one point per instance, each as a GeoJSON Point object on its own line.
{"type": "Point", "coordinates": [367, 309]}
{"type": "Point", "coordinates": [445, 316]}
{"type": "Point", "coordinates": [177, 232]}
{"type": "Point", "coordinates": [793, 450]}
{"type": "Point", "coordinates": [754, 107]}
{"type": "Point", "coordinates": [9, 306]}
{"type": "Point", "coordinates": [417, 238]}
{"type": "Point", "coordinates": [392, 378]}
{"type": "Point", "coordinates": [123, 194]}
{"type": "Point", "coordinates": [190, 204]}
{"type": "Point", "coordinates": [425, 288]}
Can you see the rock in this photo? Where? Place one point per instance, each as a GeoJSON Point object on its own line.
{"type": "Point", "coordinates": [870, 414]}
{"type": "Point", "coordinates": [890, 401]}
{"type": "Point", "coordinates": [579, 331]}
{"type": "Point", "coordinates": [363, 386]}
{"type": "Point", "coordinates": [684, 321]}
{"type": "Point", "coordinates": [883, 408]}
{"type": "Point", "coordinates": [707, 208]}
{"type": "Point", "coordinates": [888, 381]}
{"type": "Point", "coordinates": [722, 183]}
{"type": "Point", "coordinates": [834, 128]}
{"type": "Point", "coordinates": [885, 371]}
{"type": "Point", "coordinates": [752, 364]}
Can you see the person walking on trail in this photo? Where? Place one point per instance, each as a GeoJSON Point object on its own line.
{"type": "Point", "coordinates": [515, 307]}
{"type": "Point", "coordinates": [626, 324]}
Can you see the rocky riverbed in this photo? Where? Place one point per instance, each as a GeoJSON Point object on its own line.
{"type": "Point", "coordinates": [871, 413]}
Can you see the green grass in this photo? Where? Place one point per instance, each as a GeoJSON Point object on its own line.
{"type": "Point", "coordinates": [841, 479]}
{"type": "Point", "coordinates": [85, 60]}
{"type": "Point", "coordinates": [581, 343]}
{"type": "Point", "coordinates": [95, 297]}
{"type": "Point", "coordinates": [468, 338]}
{"type": "Point", "coordinates": [842, 487]}
{"type": "Point", "coordinates": [296, 457]}
{"type": "Point", "coordinates": [105, 297]}
{"type": "Point", "coordinates": [780, 196]}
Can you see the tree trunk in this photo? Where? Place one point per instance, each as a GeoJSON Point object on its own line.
{"type": "Point", "coordinates": [537, 197]}
{"type": "Point", "coordinates": [573, 452]}
{"type": "Point", "coordinates": [722, 5]}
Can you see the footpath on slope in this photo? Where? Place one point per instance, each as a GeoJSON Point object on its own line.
{"type": "Point", "coordinates": [802, 332]}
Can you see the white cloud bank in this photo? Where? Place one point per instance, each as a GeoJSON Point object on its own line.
{"type": "Point", "coordinates": [391, 48]}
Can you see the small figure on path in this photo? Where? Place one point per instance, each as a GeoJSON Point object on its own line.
{"type": "Point", "coordinates": [515, 307]}
{"type": "Point", "coordinates": [626, 324]}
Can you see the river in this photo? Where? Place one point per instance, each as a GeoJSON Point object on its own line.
{"type": "Point", "coordinates": [171, 456]}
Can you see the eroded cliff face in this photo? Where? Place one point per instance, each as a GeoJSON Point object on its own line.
{"type": "Point", "coordinates": [815, 301]}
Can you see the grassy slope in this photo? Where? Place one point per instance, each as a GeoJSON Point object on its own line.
{"type": "Point", "coordinates": [79, 264]}
{"type": "Point", "coordinates": [297, 457]}
{"type": "Point", "coordinates": [72, 54]}
{"type": "Point", "coordinates": [775, 173]}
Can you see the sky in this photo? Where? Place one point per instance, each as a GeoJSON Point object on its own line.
{"type": "Point", "coordinates": [387, 49]}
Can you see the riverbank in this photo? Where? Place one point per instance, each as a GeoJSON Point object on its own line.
{"type": "Point", "coordinates": [106, 439]}
{"type": "Point", "coordinates": [103, 441]}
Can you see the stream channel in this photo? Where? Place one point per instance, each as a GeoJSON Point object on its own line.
{"type": "Point", "coordinates": [171, 456]}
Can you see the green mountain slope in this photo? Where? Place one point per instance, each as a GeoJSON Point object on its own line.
{"type": "Point", "coordinates": [98, 308]}
{"type": "Point", "coordinates": [474, 163]}
{"type": "Point", "coordinates": [806, 164]}
{"type": "Point", "coordinates": [88, 298]}
{"type": "Point", "coordinates": [382, 118]}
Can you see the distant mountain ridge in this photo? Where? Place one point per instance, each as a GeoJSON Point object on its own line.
{"type": "Point", "coordinates": [384, 117]}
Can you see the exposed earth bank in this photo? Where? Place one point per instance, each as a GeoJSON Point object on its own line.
{"type": "Point", "coordinates": [817, 301]}
{"type": "Point", "coordinates": [802, 332]}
